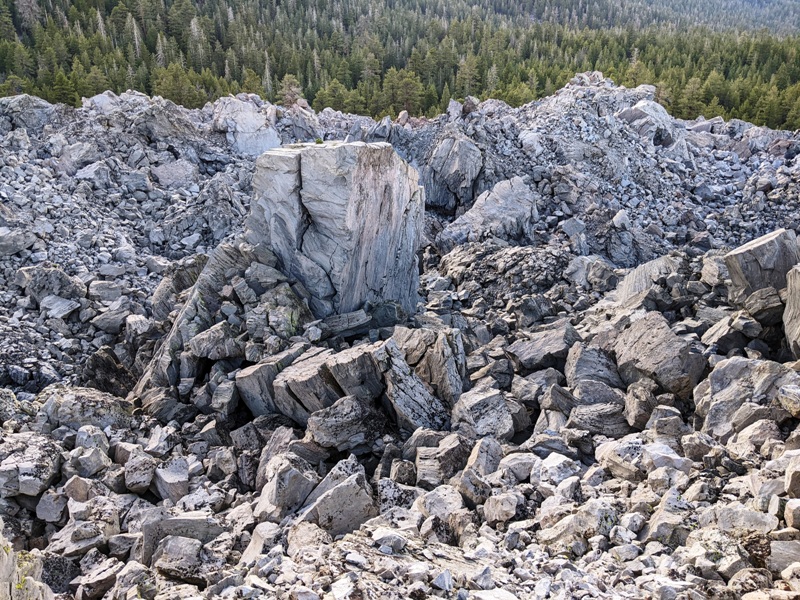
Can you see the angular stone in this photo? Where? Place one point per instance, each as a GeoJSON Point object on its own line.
{"type": "Point", "coordinates": [171, 479]}
{"type": "Point", "coordinates": [507, 211]}
{"type": "Point", "coordinates": [245, 127]}
{"type": "Point", "coordinates": [29, 463]}
{"type": "Point", "coordinates": [15, 240]}
{"type": "Point", "coordinates": [179, 557]}
{"type": "Point", "coordinates": [156, 525]}
{"type": "Point", "coordinates": [57, 307]}
{"type": "Point", "coordinates": [441, 502]}
{"type": "Point", "coordinates": [761, 263]}
{"type": "Point", "coordinates": [789, 398]}
{"type": "Point", "coordinates": [216, 343]}
{"type": "Point", "coordinates": [343, 508]}
{"type": "Point", "coordinates": [305, 387]}
{"type": "Point", "coordinates": [640, 402]}
{"type": "Point", "coordinates": [412, 404]}
{"type": "Point", "coordinates": [51, 506]}
{"type": "Point", "coordinates": [437, 465]}
{"type": "Point", "coordinates": [547, 347]}
{"type": "Point", "coordinates": [177, 173]}
{"type": "Point", "coordinates": [782, 554]}
{"type": "Point", "coordinates": [791, 316]}
{"type": "Point", "coordinates": [591, 363]}
{"type": "Point", "coordinates": [347, 423]}
{"type": "Point", "coordinates": [113, 318]}
{"type": "Point", "coordinates": [41, 281]}
{"type": "Point", "coordinates": [500, 508]}
{"type": "Point", "coordinates": [648, 348]}
{"type": "Point", "coordinates": [255, 383]}
{"type": "Point", "coordinates": [289, 481]}
{"type": "Point", "coordinates": [557, 467]}
{"type": "Point", "coordinates": [356, 372]}
{"type": "Point", "coordinates": [486, 456]}
{"type": "Point", "coordinates": [792, 477]}
{"type": "Point", "coordinates": [485, 411]}
{"type": "Point", "coordinates": [99, 579]}
{"type": "Point", "coordinates": [264, 536]}
{"type": "Point", "coordinates": [730, 384]}
{"type": "Point", "coordinates": [605, 419]}
{"type": "Point", "coordinates": [451, 171]}
{"type": "Point", "coordinates": [306, 537]}
{"type": "Point", "coordinates": [139, 471]}
{"type": "Point", "coordinates": [765, 305]}
{"type": "Point", "coordinates": [623, 458]}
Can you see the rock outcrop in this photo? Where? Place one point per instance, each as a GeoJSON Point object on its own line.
{"type": "Point", "coordinates": [344, 219]}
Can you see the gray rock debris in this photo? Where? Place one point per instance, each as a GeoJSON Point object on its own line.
{"type": "Point", "coordinates": [570, 398]}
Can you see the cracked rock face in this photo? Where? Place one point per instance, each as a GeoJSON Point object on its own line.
{"type": "Point", "coordinates": [345, 219]}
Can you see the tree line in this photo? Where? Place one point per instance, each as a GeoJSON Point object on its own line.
{"type": "Point", "coordinates": [374, 58]}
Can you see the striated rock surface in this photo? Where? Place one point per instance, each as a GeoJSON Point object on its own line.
{"type": "Point", "coordinates": [345, 219]}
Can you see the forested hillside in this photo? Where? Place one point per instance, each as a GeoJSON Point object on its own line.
{"type": "Point", "coordinates": [363, 56]}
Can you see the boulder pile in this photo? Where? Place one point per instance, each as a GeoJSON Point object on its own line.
{"type": "Point", "coordinates": [546, 352]}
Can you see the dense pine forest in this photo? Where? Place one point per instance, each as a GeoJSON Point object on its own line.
{"type": "Point", "coordinates": [736, 58]}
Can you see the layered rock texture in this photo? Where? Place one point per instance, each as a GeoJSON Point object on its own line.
{"type": "Point", "coordinates": [238, 363]}
{"type": "Point", "coordinates": [344, 219]}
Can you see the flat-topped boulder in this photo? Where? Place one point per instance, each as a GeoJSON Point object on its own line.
{"type": "Point", "coordinates": [343, 218]}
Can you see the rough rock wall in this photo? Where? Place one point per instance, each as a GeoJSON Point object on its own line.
{"type": "Point", "coordinates": [344, 219]}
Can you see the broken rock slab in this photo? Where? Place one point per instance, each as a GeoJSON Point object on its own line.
{"type": "Point", "coordinates": [648, 348]}
{"type": "Point", "coordinates": [344, 507]}
{"type": "Point", "coordinates": [761, 263]}
{"type": "Point", "coordinates": [508, 211]}
{"type": "Point", "coordinates": [791, 316]}
{"type": "Point", "coordinates": [345, 219]}
{"type": "Point", "coordinates": [245, 126]}
{"type": "Point", "coordinates": [547, 347]}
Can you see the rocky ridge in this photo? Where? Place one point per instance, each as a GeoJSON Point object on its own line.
{"type": "Point", "coordinates": [222, 377]}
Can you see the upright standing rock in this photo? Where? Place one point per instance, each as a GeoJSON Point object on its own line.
{"type": "Point", "coordinates": [791, 316]}
{"type": "Point", "coordinates": [345, 219]}
{"type": "Point", "coordinates": [762, 263]}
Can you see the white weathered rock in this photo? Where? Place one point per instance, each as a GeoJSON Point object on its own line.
{"type": "Point", "coordinates": [344, 507]}
{"type": "Point", "coordinates": [245, 127]}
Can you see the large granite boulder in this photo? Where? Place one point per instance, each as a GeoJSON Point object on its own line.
{"type": "Point", "coordinates": [344, 219]}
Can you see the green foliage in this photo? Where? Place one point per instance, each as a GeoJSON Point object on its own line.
{"type": "Point", "coordinates": [291, 90]}
{"type": "Point", "coordinates": [363, 57]}
{"type": "Point", "coordinates": [176, 84]}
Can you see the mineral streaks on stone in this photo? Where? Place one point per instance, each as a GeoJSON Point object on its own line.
{"type": "Point", "coordinates": [345, 219]}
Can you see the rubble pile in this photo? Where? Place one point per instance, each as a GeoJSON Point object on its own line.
{"type": "Point", "coordinates": [546, 352]}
